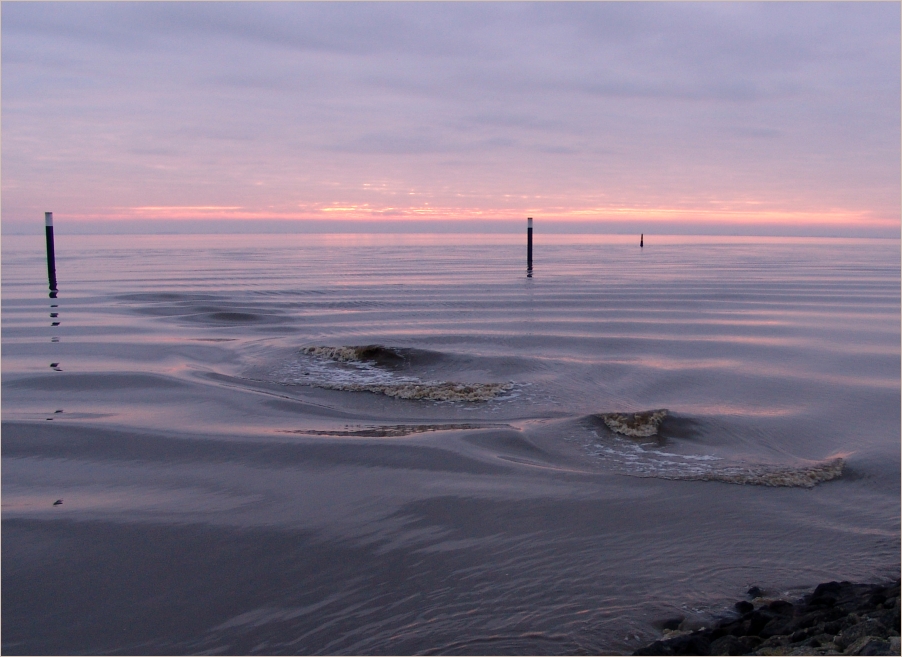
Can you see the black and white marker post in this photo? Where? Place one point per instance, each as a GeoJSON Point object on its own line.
{"type": "Point", "coordinates": [529, 247]}
{"type": "Point", "coordinates": [51, 258]}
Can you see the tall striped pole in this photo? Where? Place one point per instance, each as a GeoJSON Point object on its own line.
{"type": "Point", "coordinates": [51, 258]}
{"type": "Point", "coordinates": [529, 246]}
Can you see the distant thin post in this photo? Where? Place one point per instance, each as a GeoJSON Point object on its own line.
{"type": "Point", "coordinates": [642, 240]}
{"type": "Point", "coordinates": [529, 246]}
{"type": "Point", "coordinates": [51, 258]}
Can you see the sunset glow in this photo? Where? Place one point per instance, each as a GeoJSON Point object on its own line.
{"type": "Point", "coordinates": [656, 116]}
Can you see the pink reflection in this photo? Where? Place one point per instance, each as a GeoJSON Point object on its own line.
{"type": "Point", "coordinates": [544, 235]}
{"type": "Point", "coordinates": [741, 410]}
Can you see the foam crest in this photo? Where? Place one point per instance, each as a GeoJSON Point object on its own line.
{"type": "Point", "coordinates": [431, 390]}
{"type": "Point", "coordinates": [369, 369]}
{"type": "Point", "coordinates": [633, 458]}
{"type": "Point", "coordinates": [643, 424]}
{"type": "Point", "coordinates": [767, 475]}
{"type": "Point", "coordinates": [361, 354]}
{"type": "Point", "coordinates": [395, 430]}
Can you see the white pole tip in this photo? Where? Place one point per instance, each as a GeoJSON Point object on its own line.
{"type": "Point", "coordinates": [48, 218]}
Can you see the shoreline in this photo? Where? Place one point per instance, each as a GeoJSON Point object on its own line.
{"type": "Point", "coordinates": [836, 618]}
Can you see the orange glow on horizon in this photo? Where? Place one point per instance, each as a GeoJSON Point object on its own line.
{"type": "Point", "coordinates": [367, 212]}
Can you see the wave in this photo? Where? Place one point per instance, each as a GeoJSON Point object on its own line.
{"type": "Point", "coordinates": [643, 424]}
{"type": "Point", "coordinates": [804, 476]}
{"type": "Point", "coordinates": [430, 390]}
{"type": "Point", "coordinates": [369, 368]}
{"type": "Point", "coordinates": [372, 353]}
{"type": "Point", "coordinates": [649, 459]}
{"type": "Point", "coordinates": [395, 430]}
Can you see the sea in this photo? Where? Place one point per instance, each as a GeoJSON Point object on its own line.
{"type": "Point", "coordinates": [399, 444]}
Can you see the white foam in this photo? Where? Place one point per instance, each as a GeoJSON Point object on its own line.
{"type": "Point", "coordinates": [339, 354]}
{"type": "Point", "coordinates": [631, 458]}
{"type": "Point", "coordinates": [345, 368]}
{"type": "Point", "coordinates": [637, 425]}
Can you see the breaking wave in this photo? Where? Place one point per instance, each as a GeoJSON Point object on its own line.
{"type": "Point", "coordinates": [395, 430]}
{"type": "Point", "coordinates": [631, 459]}
{"type": "Point", "coordinates": [804, 476]}
{"type": "Point", "coordinates": [369, 369]}
{"type": "Point", "coordinates": [372, 353]}
{"type": "Point", "coordinates": [644, 424]}
{"type": "Point", "coordinates": [650, 459]}
{"type": "Point", "coordinates": [431, 390]}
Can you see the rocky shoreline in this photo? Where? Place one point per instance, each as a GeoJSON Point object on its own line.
{"type": "Point", "coordinates": [837, 618]}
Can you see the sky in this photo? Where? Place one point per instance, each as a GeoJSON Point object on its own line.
{"type": "Point", "coordinates": [742, 118]}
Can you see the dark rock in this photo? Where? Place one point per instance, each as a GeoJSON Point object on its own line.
{"type": "Point", "coordinates": [823, 601]}
{"type": "Point", "coordinates": [781, 607]}
{"type": "Point", "coordinates": [887, 617]}
{"type": "Point", "coordinates": [828, 588]}
{"type": "Point", "coordinates": [778, 626]}
{"type": "Point", "coordinates": [656, 648]}
{"type": "Point", "coordinates": [752, 642]}
{"type": "Point", "coordinates": [728, 645]}
{"type": "Point", "coordinates": [775, 642]}
{"type": "Point", "coordinates": [672, 623]}
{"type": "Point", "coordinates": [798, 635]}
{"type": "Point", "coordinates": [693, 624]}
{"type": "Point", "coordinates": [755, 592]}
{"type": "Point", "coordinates": [859, 630]}
{"type": "Point", "coordinates": [744, 607]}
{"type": "Point", "coordinates": [690, 644]}
{"type": "Point", "coordinates": [758, 620]}
{"type": "Point", "coordinates": [869, 646]}
{"type": "Point", "coordinates": [833, 628]}
{"type": "Point", "coordinates": [877, 599]}
{"type": "Point", "coordinates": [741, 628]}
{"type": "Point", "coordinates": [838, 616]}
{"type": "Point", "coordinates": [814, 618]}
{"type": "Point", "coordinates": [819, 640]}
{"type": "Point", "coordinates": [826, 595]}
{"type": "Point", "coordinates": [732, 627]}
{"type": "Point", "coordinates": [850, 620]}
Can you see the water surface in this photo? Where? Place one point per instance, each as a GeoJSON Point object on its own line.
{"type": "Point", "coordinates": [234, 480]}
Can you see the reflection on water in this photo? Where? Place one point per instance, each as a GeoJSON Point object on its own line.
{"type": "Point", "coordinates": [367, 444]}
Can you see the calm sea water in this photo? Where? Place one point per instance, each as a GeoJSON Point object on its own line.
{"type": "Point", "coordinates": [235, 482]}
